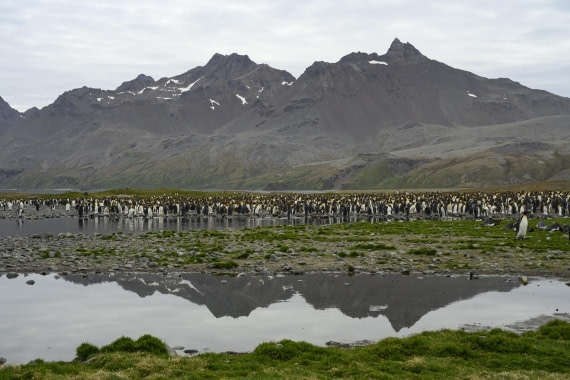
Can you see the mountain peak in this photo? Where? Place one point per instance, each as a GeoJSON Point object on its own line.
{"type": "Point", "coordinates": [140, 82]}
{"type": "Point", "coordinates": [359, 57]}
{"type": "Point", "coordinates": [229, 66]}
{"type": "Point", "coordinates": [404, 53]}
{"type": "Point", "coordinates": [233, 59]}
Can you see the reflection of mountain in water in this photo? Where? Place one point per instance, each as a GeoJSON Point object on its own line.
{"type": "Point", "coordinates": [402, 299]}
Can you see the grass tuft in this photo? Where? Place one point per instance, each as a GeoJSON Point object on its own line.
{"type": "Point", "coordinates": [86, 350]}
{"type": "Point", "coordinates": [145, 343]}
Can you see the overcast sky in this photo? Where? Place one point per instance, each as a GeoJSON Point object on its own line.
{"type": "Point", "coordinates": [52, 46]}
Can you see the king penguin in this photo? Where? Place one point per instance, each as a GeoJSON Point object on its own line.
{"type": "Point", "coordinates": [522, 226]}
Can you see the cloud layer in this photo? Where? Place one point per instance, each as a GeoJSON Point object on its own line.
{"type": "Point", "coordinates": [51, 46]}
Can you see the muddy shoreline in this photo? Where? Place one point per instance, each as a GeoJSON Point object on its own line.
{"type": "Point", "coordinates": [65, 253]}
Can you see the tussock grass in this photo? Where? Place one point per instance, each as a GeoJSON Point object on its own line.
{"type": "Point", "coordinates": [444, 354]}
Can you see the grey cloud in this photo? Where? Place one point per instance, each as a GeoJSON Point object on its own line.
{"type": "Point", "coordinates": [102, 43]}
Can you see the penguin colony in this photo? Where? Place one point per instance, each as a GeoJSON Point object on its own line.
{"type": "Point", "coordinates": [489, 207]}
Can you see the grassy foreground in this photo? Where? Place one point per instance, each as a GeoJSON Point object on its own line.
{"type": "Point", "coordinates": [495, 354]}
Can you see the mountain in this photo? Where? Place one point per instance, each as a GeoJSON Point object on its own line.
{"type": "Point", "coordinates": [8, 116]}
{"type": "Point", "coordinates": [368, 121]}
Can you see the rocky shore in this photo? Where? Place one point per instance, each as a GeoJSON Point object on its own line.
{"type": "Point", "coordinates": [235, 251]}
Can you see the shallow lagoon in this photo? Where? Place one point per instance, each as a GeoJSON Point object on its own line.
{"type": "Point", "coordinates": [50, 318]}
{"type": "Point", "coordinates": [108, 225]}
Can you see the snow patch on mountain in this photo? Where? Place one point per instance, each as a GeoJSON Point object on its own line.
{"type": "Point", "coordinates": [243, 101]}
{"type": "Point", "coordinates": [147, 88]}
{"type": "Point", "coordinates": [189, 87]}
{"type": "Point", "coordinates": [213, 104]}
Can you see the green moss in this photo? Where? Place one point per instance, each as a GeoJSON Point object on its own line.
{"type": "Point", "coordinates": [245, 254]}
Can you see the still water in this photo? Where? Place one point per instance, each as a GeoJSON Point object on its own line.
{"type": "Point", "coordinates": [50, 318]}
{"type": "Point", "coordinates": [107, 225]}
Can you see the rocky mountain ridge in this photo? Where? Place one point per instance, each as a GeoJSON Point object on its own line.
{"type": "Point", "coordinates": [239, 297]}
{"type": "Point", "coordinates": [8, 116]}
{"type": "Point", "coordinates": [368, 121]}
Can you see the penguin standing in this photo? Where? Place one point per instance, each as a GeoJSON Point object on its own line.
{"type": "Point", "coordinates": [522, 226]}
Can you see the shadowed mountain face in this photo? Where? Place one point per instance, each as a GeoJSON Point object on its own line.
{"type": "Point", "coordinates": [403, 300]}
{"type": "Point", "coordinates": [368, 121]}
{"type": "Point", "coordinates": [8, 116]}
